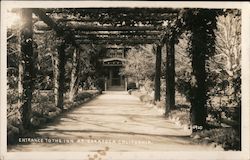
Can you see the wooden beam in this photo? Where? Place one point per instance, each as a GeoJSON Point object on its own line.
{"type": "Point", "coordinates": [60, 31]}
{"type": "Point", "coordinates": [107, 20]}
{"type": "Point", "coordinates": [118, 48]}
{"type": "Point", "coordinates": [157, 94]}
{"type": "Point", "coordinates": [116, 33]}
{"type": "Point", "coordinates": [117, 42]}
{"type": "Point", "coordinates": [118, 38]}
{"type": "Point", "coordinates": [41, 29]}
{"type": "Point", "coordinates": [113, 10]}
{"type": "Point", "coordinates": [42, 15]}
{"type": "Point", "coordinates": [83, 27]}
{"type": "Point", "coordinates": [61, 69]}
{"type": "Point", "coordinates": [170, 74]}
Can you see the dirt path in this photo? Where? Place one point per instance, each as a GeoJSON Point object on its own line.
{"type": "Point", "coordinates": [115, 120]}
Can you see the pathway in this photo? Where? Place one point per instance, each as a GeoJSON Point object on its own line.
{"type": "Point", "coordinates": [115, 120]}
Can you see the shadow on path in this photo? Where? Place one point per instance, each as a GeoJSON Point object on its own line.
{"type": "Point", "coordinates": [114, 119]}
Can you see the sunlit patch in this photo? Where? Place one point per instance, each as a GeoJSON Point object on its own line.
{"type": "Point", "coordinates": [13, 17]}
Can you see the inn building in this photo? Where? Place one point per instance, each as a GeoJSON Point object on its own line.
{"type": "Point", "coordinates": [112, 61]}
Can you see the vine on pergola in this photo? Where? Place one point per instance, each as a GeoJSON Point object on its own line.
{"type": "Point", "coordinates": [133, 26]}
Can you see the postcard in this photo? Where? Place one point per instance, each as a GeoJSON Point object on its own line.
{"type": "Point", "coordinates": [101, 80]}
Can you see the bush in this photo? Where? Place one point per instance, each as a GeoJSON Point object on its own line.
{"type": "Point", "coordinates": [146, 99]}
{"type": "Point", "coordinates": [83, 96]}
{"type": "Point", "coordinates": [182, 114]}
{"type": "Point", "coordinates": [12, 133]}
{"type": "Point", "coordinates": [227, 137]}
{"type": "Point", "coordinates": [131, 86]}
{"type": "Point", "coordinates": [12, 96]}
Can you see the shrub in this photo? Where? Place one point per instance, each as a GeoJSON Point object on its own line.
{"type": "Point", "coordinates": [146, 99]}
{"type": "Point", "coordinates": [131, 86]}
{"type": "Point", "coordinates": [83, 96]}
{"type": "Point", "coordinates": [227, 137]}
{"type": "Point", "coordinates": [12, 96]}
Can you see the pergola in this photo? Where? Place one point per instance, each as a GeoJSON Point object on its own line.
{"type": "Point", "coordinates": [104, 26]}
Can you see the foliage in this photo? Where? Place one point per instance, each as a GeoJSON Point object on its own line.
{"type": "Point", "coordinates": [43, 111]}
{"type": "Point", "coordinates": [184, 78]}
{"type": "Point", "coordinates": [82, 96]}
{"type": "Point", "coordinates": [13, 53]}
{"type": "Point", "coordinates": [140, 63]}
{"type": "Point", "coordinates": [222, 58]}
{"type": "Point", "coordinates": [45, 59]}
{"type": "Point", "coordinates": [227, 137]}
{"type": "Point", "coordinates": [224, 66]}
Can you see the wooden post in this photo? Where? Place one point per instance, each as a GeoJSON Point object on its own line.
{"type": "Point", "coordinates": [105, 84]}
{"type": "Point", "coordinates": [198, 102]}
{"type": "Point", "coordinates": [73, 76]}
{"type": "Point", "coordinates": [55, 75]}
{"type": "Point", "coordinates": [157, 94]}
{"type": "Point", "coordinates": [20, 73]}
{"type": "Point", "coordinates": [170, 74]}
{"type": "Point", "coordinates": [110, 77]}
{"type": "Point", "coordinates": [126, 83]}
{"type": "Point", "coordinates": [203, 46]}
{"type": "Point", "coordinates": [61, 80]}
{"type": "Point", "coordinates": [26, 36]}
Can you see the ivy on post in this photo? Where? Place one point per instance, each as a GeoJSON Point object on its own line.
{"type": "Point", "coordinates": [202, 23]}
{"type": "Point", "coordinates": [157, 94]}
{"type": "Point", "coordinates": [170, 73]}
{"type": "Point", "coordinates": [61, 46]}
{"type": "Point", "coordinates": [26, 36]}
{"type": "Point", "coordinates": [73, 78]}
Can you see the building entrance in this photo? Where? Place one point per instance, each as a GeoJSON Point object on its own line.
{"type": "Point", "coordinates": [116, 78]}
{"type": "Point", "coordinates": [112, 63]}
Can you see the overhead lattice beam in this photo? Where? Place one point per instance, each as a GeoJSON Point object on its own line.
{"type": "Point", "coordinates": [68, 36]}
{"type": "Point", "coordinates": [46, 19]}
{"type": "Point", "coordinates": [84, 27]}
{"type": "Point", "coordinates": [118, 37]}
{"type": "Point", "coordinates": [110, 33]}
{"type": "Point", "coordinates": [80, 27]}
{"type": "Point", "coordinates": [107, 20]}
{"type": "Point", "coordinates": [111, 10]}
{"type": "Point", "coordinates": [117, 42]}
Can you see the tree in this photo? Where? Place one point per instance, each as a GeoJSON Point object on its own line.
{"type": "Point", "coordinates": [140, 63]}
{"type": "Point", "coordinates": [225, 65]}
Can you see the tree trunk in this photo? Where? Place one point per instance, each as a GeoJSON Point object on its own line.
{"type": "Point", "coordinates": [157, 94]}
{"type": "Point", "coordinates": [61, 79]}
{"type": "Point", "coordinates": [73, 76]}
{"type": "Point", "coordinates": [170, 74]}
{"type": "Point", "coordinates": [28, 66]}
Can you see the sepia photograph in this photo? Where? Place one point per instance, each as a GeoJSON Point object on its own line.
{"type": "Point", "coordinates": [115, 80]}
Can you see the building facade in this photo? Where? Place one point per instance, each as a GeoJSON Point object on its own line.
{"type": "Point", "coordinates": [112, 61]}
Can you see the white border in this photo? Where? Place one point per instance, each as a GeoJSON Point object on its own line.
{"type": "Point", "coordinates": [241, 155]}
{"type": "Point", "coordinates": [98, 4]}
